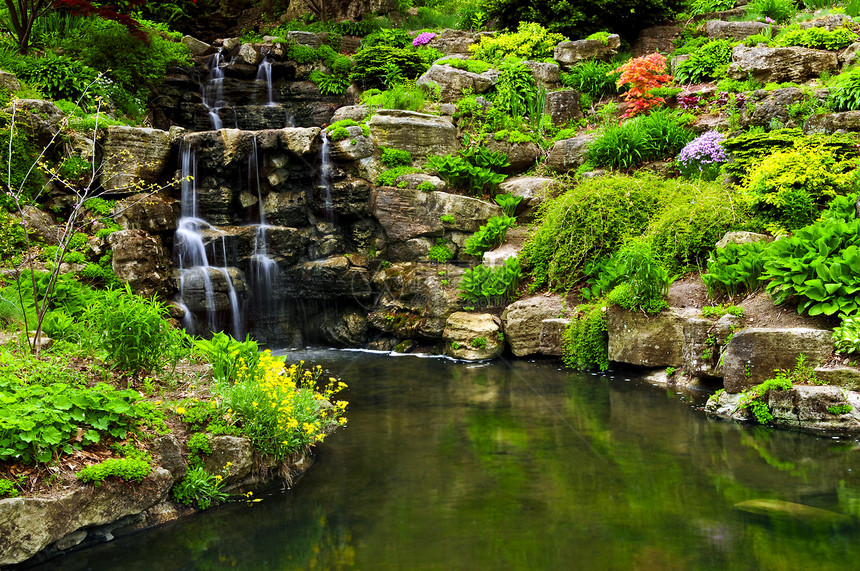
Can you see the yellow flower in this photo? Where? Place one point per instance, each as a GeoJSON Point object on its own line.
{"type": "Point", "coordinates": [180, 410]}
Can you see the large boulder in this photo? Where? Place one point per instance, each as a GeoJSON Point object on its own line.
{"type": "Point", "coordinates": [523, 322]}
{"type": "Point", "coordinates": [328, 278]}
{"type": "Point", "coordinates": [232, 457]}
{"type": "Point", "coordinates": [546, 74]}
{"type": "Point", "coordinates": [569, 154]}
{"type": "Point", "coordinates": [354, 147]}
{"type": "Point", "coordinates": [135, 158]}
{"type": "Point", "coordinates": [563, 106]}
{"type": "Point", "coordinates": [148, 212]}
{"type": "Point", "coordinates": [569, 54]}
{"type": "Point", "coordinates": [453, 42]}
{"type": "Point", "coordinates": [43, 117]}
{"type": "Point", "coordinates": [552, 336]}
{"type": "Point", "coordinates": [647, 340]}
{"type": "Point", "coordinates": [777, 65]}
{"type": "Point", "coordinates": [473, 336]}
{"type": "Point", "coordinates": [141, 260]}
{"type": "Point", "coordinates": [829, 123]}
{"type": "Point", "coordinates": [452, 81]}
{"type": "Point", "coordinates": [755, 353]}
{"type": "Point", "coordinates": [735, 31]}
{"type": "Point", "coordinates": [704, 343]}
{"type": "Point", "coordinates": [657, 39]}
{"type": "Point", "coordinates": [206, 289]}
{"type": "Point", "coordinates": [764, 108]}
{"type": "Point", "coordinates": [344, 327]}
{"type": "Point", "coordinates": [521, 156]}
{"type": "Point", "coordinates": [418, 133]}
{"type": "Point", "coordinates": [8, 81]}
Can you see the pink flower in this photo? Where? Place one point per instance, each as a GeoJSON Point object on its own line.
{"type": "Point", "coordinates": [423, 39]}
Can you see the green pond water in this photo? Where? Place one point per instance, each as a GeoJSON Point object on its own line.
{"type": "Point", "coordinates": [521, 465]}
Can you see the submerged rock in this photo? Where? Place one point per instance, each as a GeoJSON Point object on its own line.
{"type": "Point", "coordinates": [790, 511]}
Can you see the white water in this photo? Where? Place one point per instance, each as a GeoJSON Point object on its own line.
{"type": "Point", "coordinates": [264, 73]}
{"type": "Point", "coordinates": [213, 89]}
{"type": "Point", "coordinates": [265, 274]}
{"type": "Point", "coordinates": [325, 177]}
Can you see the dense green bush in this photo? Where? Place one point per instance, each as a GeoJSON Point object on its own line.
{"type": "Point", "coordinates": [406, 96]}
{"type": "Point", "coordinates": [634, 278]}
{"type": "Point", "coordinates": [531, 41]}
{"type": "Point", "coordinates": [491, 286]}
{"type": "Point", "coordinates": [648, 137]}
{"type": "Point", "coordinates": [383, 66]}
{"type": "Point", "coordinates": [593, 78]}
{"type": "Point", "coordinates": [817, 38]}
{"type": "Point", "coordinates": [780, 11]}
{"type": "Point", "coordinates": [585, 342]}
{"type": "Point", "coordinates": [127, 469]}
{"type": "Point", "coordinates": [516, 91]}
{"type": "Point", "coordinates": [735, 268]}
{"type": "Point", "coordinates": [473, 169]}
{"type": "Point", "coordinates": [708, 62]}
{"type": "Point", "coordinates": [200, 488]}
{"type": "Point", "coordinates": [60, 77]}
{"type": "Point", "coordinates": [488, 236]}
{"type": "Point", "coordinates": [845, 91]}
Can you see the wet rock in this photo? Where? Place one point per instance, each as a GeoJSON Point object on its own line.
{"type": "Point", "coordinates": [151, 213]}
{"type": "Point", "coordinates": [141, 260]}
{"type": "Point", "coordinates": [286, 208]}
{"type": "Point", "coordinates": [418, 133]}
{"type": "Point", "coordinates": [569, 54]}
{"type": "Point", "coordinates": [552, 336]}
{"type": "Point", "coordinates": [569, 154]}
{"type": "Point", "coordinates": [135, 157]}
{"type": "Point", "coordinates": [247, 55]}
{"type": "Point", "coordinates": [167, 454]}
{"type": "Point", "coordinates": [473, 336]}
{"type": "Point", "coordinates": [563, 106]}
{"type": "Point", "coordinates": [328, 278]}
{"type": "Point", "coordinates": [523, 321]}
{"type": "Point", "coordinates": [647, 340]}
{"type": "Point", "coordinates": [704, 343]}
{"type": "Point", "coordinates": [451, 81]}
{"type": "Point", "coordinates": [345, 328]}
{"type": "Point", "coordinates": [735, 31]}
{"type": "Point", "coordinates": [777, 65]}
{"type": "Point", "coordinates": [844, 377]}
{"type": "Point", "coordinates": [196, 282]}
{"type": "Point", "coordinates": [755, 353]}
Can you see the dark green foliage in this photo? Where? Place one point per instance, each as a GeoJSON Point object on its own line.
{"type": "Point", "coordinates": [753, 399]}
{"type": "Point", "coordinates": [488, 236]}
{"type": "Point", "coordinates": [736, 268]}
{"type": "Point", "coordinates": [380, 66]}
{"type": "Point", "coordinates": [474, 169]}
{"type": "Point", "coordinates": [708, 62]}
{"type": "Point", "coordinates": [406, 95]}
{"type": "Point", "coordinates": [594, 78]}
{"type": "Point", "coordinates": [395, 157]}
{"type": "Point", "coordinates": [491, 286]}
{"type": "Point", "coordinates": [59, 77]}
{"type": "Point", "coordinates": [199, 487]}
{"type": "Point", "coordinates": [390, 37]}
{"type": "Point", "coordinates": [516, 89]}
{"type": "Point", "coordinates": [228, 355]}
{"type": "Point", "coordinates": [646, 138]}
{"type": "Point", "coordinates": [579, 19]}
{"type": "Point", "coordinates": [329, 84]}
{"type": "Point", "coordinates": [508, 202]}
{"type": "Point", "coordinates": [23, 155]}
{"type": "Point", "coordinates": [128, 469]}
{"type": "Point", "coordinates": [585, 340]}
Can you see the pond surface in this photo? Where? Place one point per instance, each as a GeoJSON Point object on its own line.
{"type": "Point", "coordinates": [520, 465]}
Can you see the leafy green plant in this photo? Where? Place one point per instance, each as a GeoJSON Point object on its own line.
{"type": "Point", "coordinates": [633, 278]}
{"type": "Point", "coordinates": [491, 286]}
{"type": "Point", "coordinates": [780, 11]}
{"type": "Point", "coordinates": [228, 356]}
{"type": "Point", "coordinates": [845, 91]}
{"type": "Point", "coordinates": [426, 186]}
{"type": "Point", "coordinates": [646, 138]}
{"type": "Point", "coordinates": [479, 343]}
{"type": "Point", "coordinates": [382, 65]}
{"type": "Point", "coordinates": [846, 337]}
{"type": "Point", "coordinates": [594, 78]}
{"type": "Point", "coordinates": [199, 487]}
{"type": "Point", "coordinates": [405, 95]}
{"type": "Point", "coordinates": [127, 469]}
{"type": "Point", "coordinates": [838, 409]}
{"type": "Point", "coordinates": [474, 170]}
{"type": "Point", "coordinates": [488, 236]}
{"type": "Point", "coordinates": [59, 77]}
{"type": "Point", "coordinates": [817, 38]}
{"type": "Point", "coordinates": [585, 341]}
{"type": "Point", "coordinates": [440, 252]}
{"type": "Point", "coordinates": [337, 131]}
{"type": "Point", "coordinates": [531, 41]}
{"type": "Point", "coordinates": [717, 311]}
{"type": "Point", "coordinates": [390, 176]}
{"type": "Point", "coordinates": [395, 157]}
{"type": "Point", "coordinates": [8, 488]}
{"type": "Point", "coordinates": [470, 65]}
{"type": "Point", "coordinates": [447, 219]}
{"type": "Point", "coordinates": [699, 7]}
{"type": "Point", "coordinates": [735, 268]}
{"type": "Point", "coordinates": [329, 83]}
{"type": "Point", "coordinates": [708, 62]}
{"type": "Point", "coordinates": [754, 399]}
{"type": "Point", "coordinates": [508, 203]}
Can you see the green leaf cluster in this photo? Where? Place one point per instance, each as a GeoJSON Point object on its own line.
{"type": "Point", "coordinates": [736, 268]}
{"type": "Point", "coordinates": [816, 38]}
{"type": "Point", "coordinates": [489, 235]}
{"type": "Point", "coordinates": [845, 91]}
{"type": "Point", "coordinates": [846, 337]}
{"type": "Point", "coordinates": [227, 355]}
{"type": "Point", "coordinates": [593, 77]}
{"type": "Point", "coordinates": [440, 252]}
{"type": "Point", "coordinates": [382, 66]}
{"type": "Point", "coordinates": [8, 489]}
{"type": "Point", "coordinates": [531, 41]}
{"type": "Point", "coordinates": [395, 157]}
{"type": "Point", "coordinates": [472, 169]}
{"type": "Point", "coordinates": [59, 77]}
{"type": "Point", "coordinates": [508, 202]}
{"type": "Point", "coordinates": [390, 176]}
{"type": "Point", "coordinates": [329, 84]}
{"type": "Point", "coordinates": [585, 341]}
{"type": "Point", "coordinates": [634, 278]}
{"type": "Point", "coordinates": [200, 488]}
{"type": "Point", "coordinates": [470, 65]}
{"type": "Point", "coordinates": [491, 286]}
{"type": "Point", "coordinates": [127, 469]}
{"type": "Point", "coordinates": [649, 137]}
{"type": "Point", "coordinates": [710, 61]}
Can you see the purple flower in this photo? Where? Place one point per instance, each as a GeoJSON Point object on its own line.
{"type": "Point", "coordinates": [423, 39]}
{"type": "Point", "coordinates": [703, 151]}
{"type": "Point", "coordinates": [769, 20]}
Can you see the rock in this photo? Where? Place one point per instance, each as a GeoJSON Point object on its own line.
{"type": "Point", "coordinates": [451, 81]}
{"type": "Point", "coordinates": [43, 117]}
{"type": "Point", "coordinates": [167, 454]}
{"type": "Point", "coordinates": [829, 123]}
{"type": "Point", "coordinates": [148, 212]}
{"type": "Point", "coordinates": [571, 53]}
{"type": "Point", "coordinates": [521, 156]}
{"type": "Point", "coordinates": [532, 189]}
{"type": "Point", "coordinates": [771, 107]}
{"type": "Point", "coordinates": [414, 180]}
{"type": "Point", "coordinates": [218, 282]}
{"type": "Point", "coordinates": [497, 257]}
{"type": "Point", "coordinates": [196, 47]}
{"type": "Point", "coordinates": [755, 353]}
{"type": "Point", "coordinates": [328, 278]}
{"type": "Point", "coordinates": [523, 321]}
{"type": "Point", "coordinates": [42, 225]}
{"type": "Point", "coordinates": [704, 343]}
{"type": "Point", "coordinates": [828, 21]}
{"type": "Point", "coordinates": [563, 106]}
{"type": "Point", "coordinates": [141, 260]}
{"type": "Point", "coordinates": [569, 154]}
{"type": "Point", "coordinates": [418, 133]}
{"type": "Point", "coordinates": [807, 407]}
{"type": "Point", "coordinates": [677, 61]}
{"type": "Point", "coordinates": [845, 377]}
{"type": "Point", "coordinates": [135, 157]}
{"type": "Point", "coordinates": [345, 327]}
{"type": "Point", "coordinates": [453, 42]}
{"type": "Point", "coordinates": [742, 237]}
{"type": "Point", "coordinates": [657, 39]}
{"type": "Point", "coordinates": [28, 525]}
{"type": "Point", "coordinates": [232, 457]}
{"type": "Point", "coordinates": [735, 31]}
{"type": "Point", "coordinates": [309, 39]}
{"type": "Point", "coordinates": [352, 148]}
{"type": "Point", "coordinates": [780, 510]}
{"type": "Point", "coordinates": [552, 336]}
{"type": "Point", "coordinates": [9, 82]}
{"type": "Point", "coordinates": [473, 336]}
{"type": "Point", "coordinates": [357, 113]}
{"type": "Point", "coordinates": [548, 74]}
{"type": "Point", "coordinates": [849, 55]}
{"type": "Point", "coordinates": [647, 340]}
{"type": "Point", "coordinates": [777, 65]}
{"type": "Point", "coordinates": [247, 55]}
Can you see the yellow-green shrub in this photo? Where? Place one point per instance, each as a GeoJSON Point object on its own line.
{"type": "Point", "coordinates": [530, 41]}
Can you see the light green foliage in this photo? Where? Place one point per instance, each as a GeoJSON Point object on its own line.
{"type": "Point", "coordinates": [717, 311]}
{"type": "Point", "coordinates": [585, 340]}
{"type": "Point", "coordinates": [838, 409]}
{"type": "Point", "coordinates": [789, 187]}
{"type": "Point", "coordinates": [817, 38]}
{"type": "Point", "coordinates": [405, 95]}
{"type": "Point", "coordinates": [488, 236]}
{"type": "Point", "coordinates": [440, 252]}
{"type": "Point", "coordinates": [699, 7]}
{"type": "Point", "coordinates": [11, 237]}
{"type": "Point", "coordinates": [127, 469]}
{"type": "Point", "coordinates": [594, 78]}
{"type": "Point", "coordinates": [8, 489]}
{"type": "Point", "coordinates": [708, 62]}
{"type": "Point", "coordinates": [389, 177]}
{"type": "Point", "coordinates": [820, 264]}
{"type": "Point", "coordinates": [470, 65]}
{"type": "Point", "coordinates": [779, 10]}
{"type": "Point", "coordinates": [479, 343]}
{"type": "Point", "coordinates": [531, 41]}
{"type": "Point", "coordinates": [633, 278]}
{"type": "Point", "coordinates": [329, 84]}
{"type": "Point", "coordinates": [395, 157]}
{"type": "Point", "coordinates": [491, 286]}
{"type": "Point", "coordinates": [648, 137]}
{"type": "Point", "coordinates": [602, 37]}
{"type": "Point", "coordinates": [515, 90]}
{"type": "Point", "coordinates": [753, 399]}
{"type": "Point", "coordinates": [426, 186]}
{"type": "Point", "coordinates": [508, 203]}
{"type": "Point", "coordinates": [736, 268]}
{"type": "Point", "coordinates": [228, 356]}
{"type": "Point", "coordinates": [447, 219]}
{"type": "Point", "coordinates": [513, 136]}
{"type": "Point", "coordinates": [337, 131]}
{"type": "Point", "coordinates": [846, 337]}
{"type": "Point", "coordinates": [845, 91]}
{"type": "Point", "coordinates": [199, 487]}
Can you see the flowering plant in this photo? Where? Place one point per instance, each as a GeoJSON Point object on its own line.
{"type": "Point", "coordinates": [643, 74]}
{"type": "Point", "coordinates": [423, 39]}
{"type": "Point", "coordinates": [703, 156]}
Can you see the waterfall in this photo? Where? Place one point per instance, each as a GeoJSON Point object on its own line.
{"type": "Point", "coordinates": [325, 177]}
{"type": "Point", "coordinates": [265, 274]}
{"type": "Point", "coordinates": [213, 89]}
{"type": "Point", "coordinates": [264, 73]}
{"type": "Point", "coordinates": [192, 257]}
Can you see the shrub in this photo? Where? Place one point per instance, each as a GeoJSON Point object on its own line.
{"type": "Point", "coordinates": [585, 342]}
{"type": "Point", "coordinates": [406, 96]}
{"type": "Point", "coordinates": [531, 41]}
{"type": "Point", "coordinates": [395, 157]}
{"type": "Point", "coordinates": [703, 156]}
{"type": "Point", "coordinates": [133, 331]}
{"type": "Point", "coordinates": [708, 62]}
{"type": "Point", "coordinates": [491, 286]}
{"type": "Point", "coordinates": [381, 65]}
{"type": "Point", "coordinates": [736, 267]}
{"type": "Point", "coordinates": [753, 399]}
{"type": "Point", "coordinates": [646, 138]}
{"type": "Point", "coordinates": [60, 77]}
{"type": "Point", "coordinates": [594, 78]}
{"type": "Point", "coordinates": [473, 169]}
{"type": "Point", "coordinates": [508, 203]}
{"type": "Point", "coordinates": [846, 337]}
{"type": "Point", "coordinates": [845, 91]}
{"type": "Point", "coordinates": [329, 84]}
{"type": "Point", "coordinates": [817, 38]}
{"type": "Point", "coordinates": [199, 487]}
{"type": "Point", "coordinates": [337, 131]}
{"type": "Point", "coordinates": [440, 252]}
{"type": "Point", "coordinates": [8, 489]}
{"type": "Point", "coordinates": [470, 65]}
{"type": "Point", "coordinates": [699, 7]}
{"type": "Point", "coordinates": [488, 236]}
{"type": "Point", "coordinates": [227, 355]}
{"type": "Point", "coordinates": [633, 278]}
{"type": "Point", "coordinates": [780, 11]}
{"type": "Point", "coordinates": [392, 37]}
{"type": "Point", "coordinates": [127, 469]}
{"type": "Point", "coordinates": [390, 176]}
{"type": "Point", "coordinates": [642, 75]}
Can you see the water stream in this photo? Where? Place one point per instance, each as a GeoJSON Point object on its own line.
{"type": "Point", "coordinates": [520, 465]}
{"type": "Point", "coordinates": [264, 73]}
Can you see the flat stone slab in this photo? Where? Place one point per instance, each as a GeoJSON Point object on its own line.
{"type": "Point", "coordinates": [647, 340]}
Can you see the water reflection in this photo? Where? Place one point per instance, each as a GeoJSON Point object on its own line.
{"type": "Point", "coordinates": [521, 466]}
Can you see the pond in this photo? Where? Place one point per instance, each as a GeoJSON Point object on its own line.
{"type": "Point", "coordinates": [520, 465]}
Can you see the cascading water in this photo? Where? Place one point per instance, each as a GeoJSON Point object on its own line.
{"type": "Point", "coordinates": [325, 177]}
{"type": "Point", "coordinates": [213, 89]}
{"type": "Point", "coordinates": [193, 259]}
{"type": "Point", "coordinates": [265, 275]}
{"type": "Point", "coordinates": [264, 73]}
